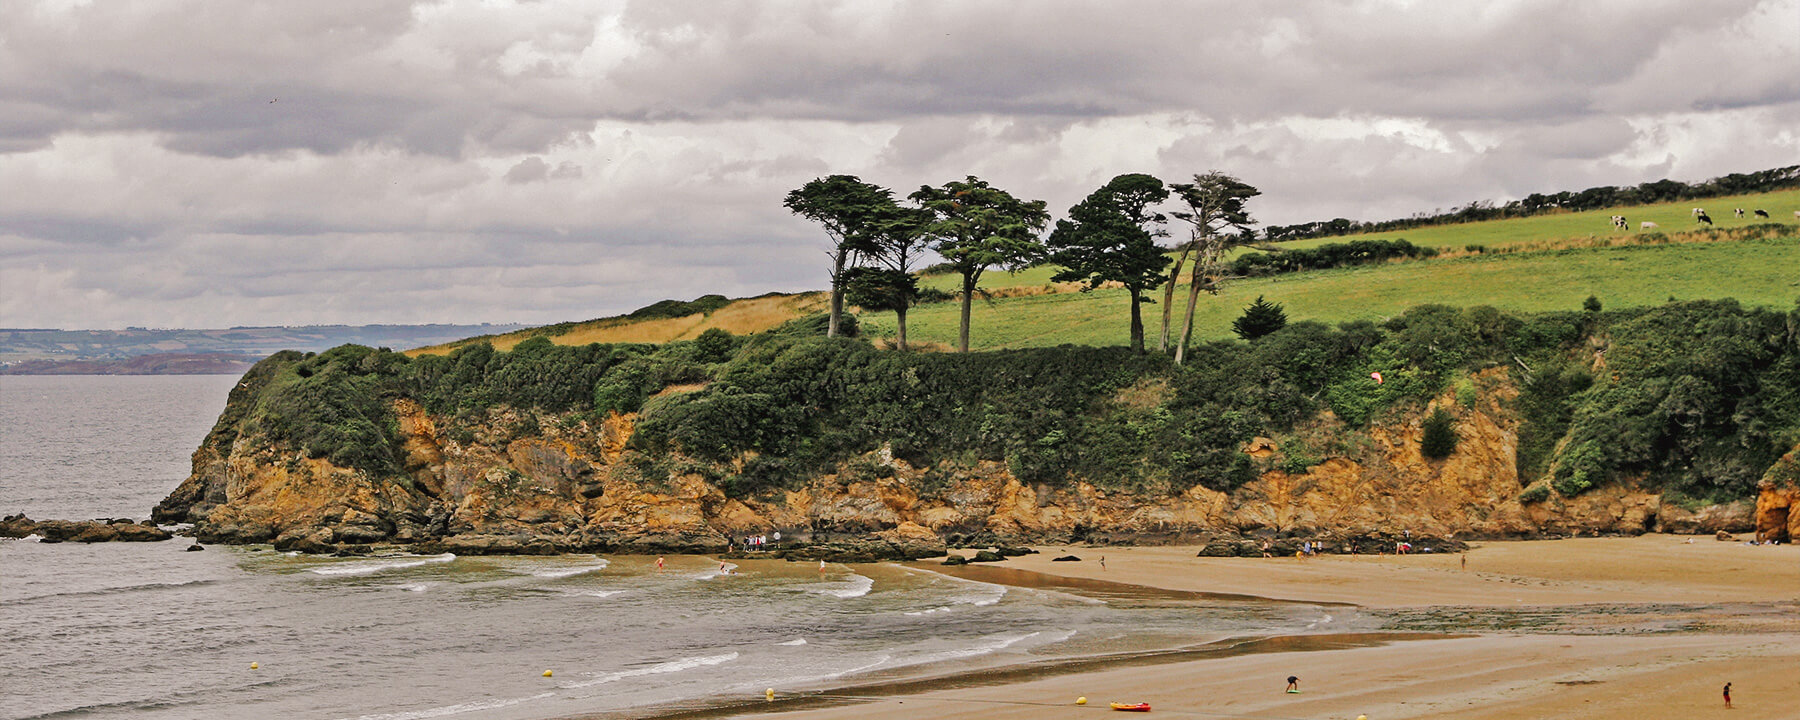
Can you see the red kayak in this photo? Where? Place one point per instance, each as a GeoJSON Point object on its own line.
{"type": "Point", "coordinates": [1140, 707]}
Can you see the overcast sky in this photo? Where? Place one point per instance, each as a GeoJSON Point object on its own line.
{"type": "Point", "coordinates": [206, 163]}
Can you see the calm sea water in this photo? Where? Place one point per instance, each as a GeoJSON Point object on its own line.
{"type": "Point", "coordinates": [150, 631]}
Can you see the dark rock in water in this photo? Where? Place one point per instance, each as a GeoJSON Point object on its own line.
{"type": "Point", "coordinates": [50, 540]}
{"type": "Point", "coordinates": [317, 542]}
{"type": "Point", "coordinates": [17, 526]}
{"type": "Point", "coordinates": [1066, 558]}
{"type": "Point", "coordinates": [196, 547]}
{"type": "Point", "coordinates": [956, 560]}
{"type": "Point", "coordinates": [987, 556]}
{"type": "Point", "coordinates": [1015, 551]}
{"type": "Point", "coordinates": [87, 531]}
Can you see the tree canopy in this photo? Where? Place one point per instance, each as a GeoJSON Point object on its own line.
{"type": "Point", "coordinates": [975, 226]}
{"type": "Point", "coordinates": [854, 214]}
{"type": "Point", "coordinates": [1111, 237]}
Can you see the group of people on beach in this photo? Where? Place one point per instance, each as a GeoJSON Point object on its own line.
{"type": "Point", "coordinates": [756, 543]}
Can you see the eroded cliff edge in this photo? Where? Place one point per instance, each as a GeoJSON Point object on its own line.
{"type": "Point", "coordinates": [683, 448]}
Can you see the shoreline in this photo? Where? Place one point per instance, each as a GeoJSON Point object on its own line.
{"type": "Point", "coordinates": [1735, 613]}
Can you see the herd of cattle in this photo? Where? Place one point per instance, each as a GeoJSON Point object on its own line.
{"type": "Point", "coordinates": [1700, 216]}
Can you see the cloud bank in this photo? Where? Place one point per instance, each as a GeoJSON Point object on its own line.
{"type": "Point", "coordinates": [187, 163]}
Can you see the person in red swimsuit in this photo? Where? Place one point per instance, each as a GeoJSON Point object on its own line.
{"type": "Point", "coordinates": [1727, 695]}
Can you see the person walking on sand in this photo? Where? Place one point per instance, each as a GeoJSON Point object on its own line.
{"type": "Point", "coordinates": [1727, 696]}
{"type": "Point", "coordinates": [1465, 560]}
{"type": "Point", "coordinates": [1293, 684]}
{"type": "Point", "coordinates": [1102, 563]}
{"type": "Point", "coordinates": [659, 562]}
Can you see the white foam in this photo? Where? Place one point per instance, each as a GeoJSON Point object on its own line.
{"type": "Point", "coordinates": [414, 587]}
{"type": "Point", "coordinates": [369, 568]}
{"type": "Point", "coordinates": [456, 709]}
{"type": "Point", "coordinates": [989, 595]}
{"type": "Point", "coordinates": [933, 611]}
{"type": "Point", "coordinates": [856, 586]}
{"type": "Point", "coordinates": [657, 669]}
{"type": "Point", "coordinates": [563, 572]}
{"type": "Point", "coordinates": [600, 593]}
{"type": "Point", "coordinates": [994, 645]}
{"type": "Point", "coordinates": [794, 642]}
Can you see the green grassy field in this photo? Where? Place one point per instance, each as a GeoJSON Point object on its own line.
{"type": "Point", "coordinates": [1671, 217]}
{"type": "Point", "coordinates": [1755, 272]}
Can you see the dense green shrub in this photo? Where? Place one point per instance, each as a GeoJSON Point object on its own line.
{"type": "Point", "coordinates": [1699, 398]}
{"type": "Point", "coordinates": [1260, 318]}
{"type": "Point", "coordinates": [1330, 255]}
{"type": "Point", "coordinates": [1437, 438]}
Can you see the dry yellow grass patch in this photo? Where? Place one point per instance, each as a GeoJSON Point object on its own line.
{"type": "Point", "coordinates": [741, 317]}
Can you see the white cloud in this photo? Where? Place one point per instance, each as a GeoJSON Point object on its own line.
{"type": "Point", "coordinates": [163, 163]}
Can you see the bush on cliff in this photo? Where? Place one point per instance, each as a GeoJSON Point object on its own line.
{"type": "Point", "coordinates": [1699, 397]}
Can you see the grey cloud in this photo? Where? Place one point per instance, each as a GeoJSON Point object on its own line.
{"type": "Point", "coordinates": [545, 162]}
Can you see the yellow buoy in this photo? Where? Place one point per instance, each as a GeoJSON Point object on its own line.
{"type": "Point", "coordinates": [252, 666]}
{"type": "Point", "coordinates": [1081, 700]}
{"type": "Point", "coordinates": [769, 694]}
{"type": "Point", "coordinates": [546, 673]}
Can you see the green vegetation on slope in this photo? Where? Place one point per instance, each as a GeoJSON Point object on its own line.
{"type": "Point", "coordinates": [1699, 397]}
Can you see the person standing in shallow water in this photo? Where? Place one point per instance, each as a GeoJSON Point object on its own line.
{"type": "Point", "coordinates": [1293, 684]}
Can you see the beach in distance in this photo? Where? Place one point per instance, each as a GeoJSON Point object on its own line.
{"type": "Point", "coordinates": [1591, 628]}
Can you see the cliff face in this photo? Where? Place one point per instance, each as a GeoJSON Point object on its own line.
{"type": "Point", "coordinates": [522, 481]}
{"type": "Point", "coordinates": [1778, 500]}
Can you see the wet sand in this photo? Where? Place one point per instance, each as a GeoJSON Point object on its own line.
{"type": "Point", "coordinates": [1735, 613]}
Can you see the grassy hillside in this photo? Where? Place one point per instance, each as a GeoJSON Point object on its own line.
{"type": "Point", "coordinates": [739, 317]}
{"type": "Point", "coordinates": [1549, 262]}
{"type": "Point", "coordinates": [1498, 234]}
{"type": "Point", "coordinates": [1763, 272]}
{"type": "Point", "coordinates": [1670, 217]}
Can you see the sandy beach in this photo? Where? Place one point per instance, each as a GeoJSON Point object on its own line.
{"type": "Point", "coordinates": [1647, 627]}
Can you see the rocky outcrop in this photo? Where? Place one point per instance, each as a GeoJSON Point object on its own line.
{"type": "Point", "coordinates": [482, 486]}
{"type": "Point", "coordinates": [84, 531]}
{"type": "Point", "coordinates": [1777, 515]}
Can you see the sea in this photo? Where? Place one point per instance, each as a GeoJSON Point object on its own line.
{"type": "Point", "coordinates": [151, 630]}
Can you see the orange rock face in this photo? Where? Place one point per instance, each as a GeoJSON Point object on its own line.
{"type": "Point", "coordinates": [1778, 500]}
{"type": "Point", "coordinates": [569, 483]}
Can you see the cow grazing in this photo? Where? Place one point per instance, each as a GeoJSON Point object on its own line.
{"type": "Point", "coordinates": [1647, 224]}
{"type": "Point", "coordinates": [1739, 212]}
{"type": "Point", "coordinates": [1619, 222]}
{"type": "Point", "coordinates": [1761, 214]}
{"type": "Point", "coordinates": [1703, 217]}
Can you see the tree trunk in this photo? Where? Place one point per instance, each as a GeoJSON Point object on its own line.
{"type": "Point", "coordinates": [1137, 322]}
{"type": "Point", "coordinates": [968, 298]}
{"type": "Point", "coordinates": [1169, 296]}
{"type": "Point", "coordinates": [1187, 325]}
{"type": "Point", "coordinates": [900, 315]}
{"type": "Point", "coordinates": [837, 293]}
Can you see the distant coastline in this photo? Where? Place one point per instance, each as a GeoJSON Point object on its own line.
{"type": "Point", "coordinates": [157, 364]}
{"type": "Point", "coordinates": [189, 351]}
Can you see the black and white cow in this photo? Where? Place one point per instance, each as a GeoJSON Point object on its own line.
{"type": "Point", "coordinates": [1703, 217]}
{"type": "Point", "coordinates": [1619, 222]}
{"type": "Point", "coordinates": [1761, 214]}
